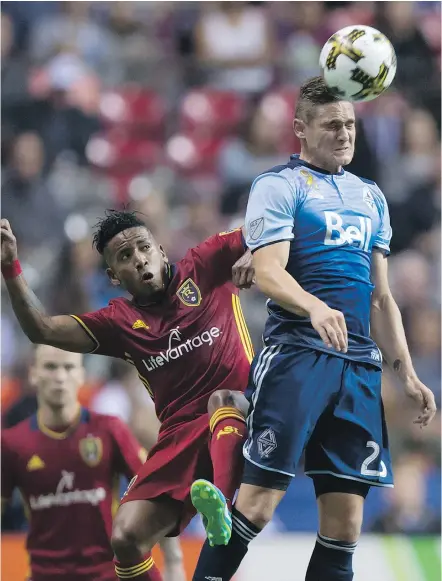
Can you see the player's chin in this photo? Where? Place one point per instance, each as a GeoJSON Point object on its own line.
{"type": "Point", "coordinates": [344, 156]}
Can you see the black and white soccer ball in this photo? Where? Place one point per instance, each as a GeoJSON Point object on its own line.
{"type": "Point", "coordinates": [358, 63]}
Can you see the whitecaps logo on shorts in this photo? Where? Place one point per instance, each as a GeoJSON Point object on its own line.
{"type": "Point", "coordinates": [267, 443]}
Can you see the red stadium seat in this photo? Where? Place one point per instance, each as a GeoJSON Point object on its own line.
{"type": "Point", "coordinates": [138, 110]}
{"type": "Point", "coordinates": [123, 153]}
{"type": "Point", "coordinates": [190, 154]}
{"type": "Point", "coordinates": [208, 112]}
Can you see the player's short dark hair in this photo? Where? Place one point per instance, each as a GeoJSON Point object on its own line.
{"type": "Point", "coordinates": [312, 93]}
{"type": "Point", "coordinates": [114, 222]}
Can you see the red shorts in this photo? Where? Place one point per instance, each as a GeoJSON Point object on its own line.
{"type": "Point", "coordinates": [180, 456]}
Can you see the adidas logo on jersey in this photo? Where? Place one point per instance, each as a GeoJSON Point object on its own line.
{"type": "Point", "coordinates": [338, 233]}
{"type": "Point", "coordinates": [375, 355]}
{"type": "Point", "coordinates": [139, 324]}
{"type": "Point", "coordinates": [35, 463]}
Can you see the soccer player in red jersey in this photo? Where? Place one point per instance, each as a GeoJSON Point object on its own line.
{"type": "Point", "coordinates": [67, 461]}
{"type": "Point", "coordinates": [184, 332]}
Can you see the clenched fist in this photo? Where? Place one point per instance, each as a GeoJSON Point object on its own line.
{"type": "Point", "coordinates": [243, 273]}
{"type": "Point", "coordinates": [9, 244]}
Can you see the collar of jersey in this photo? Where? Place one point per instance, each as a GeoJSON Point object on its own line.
{"type": "Point", "coordinates": [295, 158]}
{"type": "Point", "coordinates": [82, 417]}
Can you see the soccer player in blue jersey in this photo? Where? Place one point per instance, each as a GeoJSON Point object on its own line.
{"type": "Point", "coordinates": [320, 239]}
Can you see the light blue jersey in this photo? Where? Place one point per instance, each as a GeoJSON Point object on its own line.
{"type": "Point", "coordinates": [333, 222]}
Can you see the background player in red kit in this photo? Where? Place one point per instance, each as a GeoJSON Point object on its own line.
{"type": "Point", "coordinates": [66, 461]}
{"type": "Point", "coordinates": [184, 332]}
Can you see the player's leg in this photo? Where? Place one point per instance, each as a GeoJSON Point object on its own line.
{"type": "Point", "coordinates": [137, 527]}
{"type": "Point", "coordinates": [281, 418]}
{"type": "Point", "coordinates": [146, 427]}
{"type": "Point", "coordinates": [227, 411]}
{"type": "Point", "coordinates": [173, 559]}
{"type": "Point", "coordinates": [347, 453]}
{"type": "Point", "coordinates": [227, 415]}
{"type": "Point", "coordinates": [340, 508]}
{"type": "Point", "coordinates": [253, 509]}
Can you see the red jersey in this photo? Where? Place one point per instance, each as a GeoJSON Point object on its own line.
{"type": "Point", "coordinates": [68, 482]}
{"type": "Point", "coordinates": [190, 344]}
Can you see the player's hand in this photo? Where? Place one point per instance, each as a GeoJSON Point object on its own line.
{"type": "Point", "coordinates": [331, 326]}
{"type": "Point", "coordinates": [9, 244]}
{"type": "Point", "coordinates": [243, 273]}
{"type": "Point", "coordinates": [424, 398]}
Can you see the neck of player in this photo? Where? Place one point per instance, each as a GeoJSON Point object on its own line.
{"type": "Point", "coordinates": [330, 166]}
{"type": "Point", "coordinates": [58, 417]}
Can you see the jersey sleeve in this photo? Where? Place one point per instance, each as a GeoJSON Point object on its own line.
{"type": "Point", "coordinates": [99, 325]}
{"type": "Point", "coordinates": [383, 236]}
{"type": "Point", "coordinates": [270, 211]}
{"type": "Point", "coordinates": [128, 454]}
{"type": "Point", "coordinates": [8, 481]}
{"type": "Point", "coordinates": [218, 254]}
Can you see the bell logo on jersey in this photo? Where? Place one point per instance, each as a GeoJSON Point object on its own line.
{"type": "Point", "coordinates": [65, 494]}
{"type": "Point", "coordinates": [176, 351]}
{"type": "Point", "coordinates": [189, 293]}
{"type": "Point", "coordinates": [338, 233]}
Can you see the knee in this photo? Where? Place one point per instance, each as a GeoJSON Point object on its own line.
{"type": "Point", "coordinates": [346, 529]}
{"type": "Point", "coordinates": [227, 398]}
{"type": "Point", "coordinates": [258, 508]}
{"type": "Point", "coordinates": [125, 542]}
{"type": "Point", "coordinates": [340, 516]}
{"type": "Point", "coordinates": [218, 399]}
{"type": "Point", "coordinates": [350, 529]}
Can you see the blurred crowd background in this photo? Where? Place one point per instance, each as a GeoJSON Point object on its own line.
{"type": "Point", "coordinates": [173, 108]}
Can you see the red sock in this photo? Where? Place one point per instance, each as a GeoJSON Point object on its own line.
{"type": "Point", "coordinates": [228, 429]}
{"type": "Point", "coordinates": [143, 570]}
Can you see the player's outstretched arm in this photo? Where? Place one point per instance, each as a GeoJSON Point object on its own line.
{"type": "Point", "coordinates": [388, 332]}
{"type": "Point", "coordinates": [275, 282]}
{"type": "Point", "coordinates": [60, 331]}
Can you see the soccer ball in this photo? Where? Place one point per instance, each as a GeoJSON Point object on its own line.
{"type": "Point", "coordinates": [358, 63]}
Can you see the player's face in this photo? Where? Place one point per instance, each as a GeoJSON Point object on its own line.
{"type": "Point", "coordinates": [137, 263]}
{"type": "Point", "coordinates": [328, 139]}
{"type": "Point", "coordinates": [57, 375]}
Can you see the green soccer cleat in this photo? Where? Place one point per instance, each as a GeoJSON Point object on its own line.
{"type": "Point", "coordinates": [210, 502]}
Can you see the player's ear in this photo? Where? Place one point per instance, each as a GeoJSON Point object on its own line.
{"type": "Point", "coordinates": [115, 281]}
{"type": "Point", "coordinates": [81, 376]}
{"type": "Point", "coordinates": [164, 255]}
{"type": "Point", "coordinates": [299, 128]}
{"type": "Point", "coordinates": [31, 377]}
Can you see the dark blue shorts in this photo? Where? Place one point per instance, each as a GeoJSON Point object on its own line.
{"type": "Point", "coordinates": [331, 407]}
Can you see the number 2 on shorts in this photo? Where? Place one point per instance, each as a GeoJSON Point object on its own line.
{"type": "Point", "coordinates": [382, 473]}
